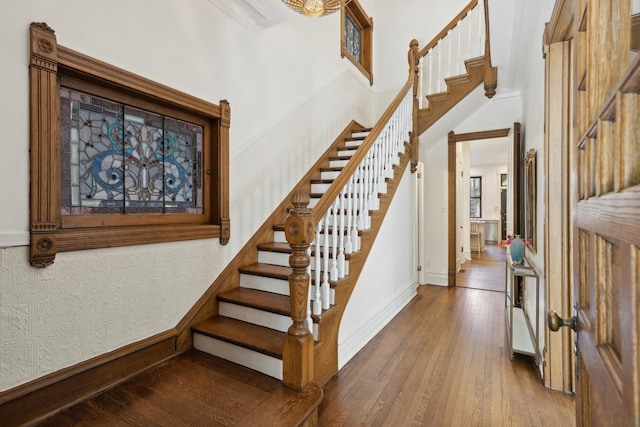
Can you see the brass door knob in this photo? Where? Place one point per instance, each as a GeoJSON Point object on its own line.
{"type": "Point", "coordinates": [555, 322]}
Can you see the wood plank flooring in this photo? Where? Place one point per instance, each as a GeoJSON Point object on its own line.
{"type": "Point", "coordinates": [443, 361]}
{"type": "Point", "coordinates": [486, 270]}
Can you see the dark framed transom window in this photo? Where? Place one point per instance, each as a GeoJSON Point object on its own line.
{"type": "Point", "coordinates": [357, 37]}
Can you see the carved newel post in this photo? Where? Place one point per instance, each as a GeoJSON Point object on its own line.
{"type": "Point", "coordinates": [414, 62]}
{"type": "Point", "coordinates": [297, 357]}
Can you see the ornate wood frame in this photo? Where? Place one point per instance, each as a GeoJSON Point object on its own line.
{"type": "Point", "coordinates": [355, 10]}
{"type": "Point", "coordinates": [49, 62]}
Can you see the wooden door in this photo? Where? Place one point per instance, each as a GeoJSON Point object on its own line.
{"type": "Point", "coordinates": [606, 236]}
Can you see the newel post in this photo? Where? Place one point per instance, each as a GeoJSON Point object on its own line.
{"type": "Point", "coordinates": [490, 72]}
{"type": "Point", "coordinates": [414, 61]}
{"type": "Point", "coordinates": [297, 357]}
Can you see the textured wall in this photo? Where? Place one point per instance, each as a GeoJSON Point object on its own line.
{"type": "Point", "coordinates": [91, 302]}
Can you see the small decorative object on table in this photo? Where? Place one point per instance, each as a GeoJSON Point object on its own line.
{"type": "Point", "coordinates": [516, 249]}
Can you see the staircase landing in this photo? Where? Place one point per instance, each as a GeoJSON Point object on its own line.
{"type": "Point", "coordinates": [196, 388]}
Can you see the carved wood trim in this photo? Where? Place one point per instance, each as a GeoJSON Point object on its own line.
{"type": "Point", "coordinates": [486, 134]}
{"type": "Point", "coordinates": [560, 27]}
{"type": "Point", "coordinates": [355, 9]}
{"type": "Point", "coordinates": [297, 355]}
{"type": "Point", "coordinates": [45, 151]}
{"type": "Point", "coordinates": [451, 223]}
{"type": "Point", "coordinates": [452, 139]}
{"type": "Point", "coordinates": [490, 72]}
{"type": "Point", "coordinates": [50, 231]}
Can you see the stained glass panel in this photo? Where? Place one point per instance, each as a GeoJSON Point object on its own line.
{"type": "Point", "coordinates": [352, 37]}
{"type": "Point", "coordinates": [119, 159]}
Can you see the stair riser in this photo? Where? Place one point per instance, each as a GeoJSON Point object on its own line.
{"type": "Point", "coordinates": [279, 237]}
{"type": "Point", "coordinates": [347, 152]}
{"type": "Point", "coordinates": [329, 174]}
{"type": "Point", "coordinates": [278, 258]}
{"type": "Point", "coordinates": [243, 356]}
{"type": "Point", "coordinates": [267, 284]}
{"type": "Point", "coordinates": [263, 318]}
{"type": "Point", "coordinates": [257, 317]}
{"type": "Point", "coordinates": [338, 163]}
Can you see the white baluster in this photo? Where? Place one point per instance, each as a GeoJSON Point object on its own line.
{"type": "Point", "coordinates": [439, 68]}
{"type": "Point", "coordinates": [325, 271]}
{"type": "Point", "coordinates": [334, 241]}
{"type": "Point", "coordinates": [348, 247]}
{"type": "Point", "coordinates": [361, 202]}
{"type": "Point", "coordinates": [341, 244]}
{"type": "Point", "coordinates": [421, 93]}
{"type": "Point", "coordinates": [480, 30]}
{"type": "Point", "coordinates": [468, 19]}
{"type": "Point", "coordinates": [431, 79]}
{"type": "Point", "coordinates": [355, 243]}
{"type": "Point", "coordinates": [317, 303]}
{"type": "Point", "coordinates": [448, 37]}
{"type": "Point", "coordinates": [365, 192]}
{"type": "Point", "coordinates": [458, 58]}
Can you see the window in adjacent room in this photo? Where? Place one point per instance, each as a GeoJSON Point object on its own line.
{"type": "Point", "coordinates": [475, 197]}
{"type": "Point", "coordinates": [357, 37]}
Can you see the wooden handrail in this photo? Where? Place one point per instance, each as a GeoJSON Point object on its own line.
{"type": "Point", "coordinates": [349, 169]}
{"type": "Point", "coordinates": [298, 350]}
{"type": "Point", "coordinates": [442, 34]}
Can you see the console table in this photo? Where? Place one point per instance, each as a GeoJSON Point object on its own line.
{"type": "Point", "coordinates": [522, 324]}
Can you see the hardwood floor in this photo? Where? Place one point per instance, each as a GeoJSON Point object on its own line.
{"type": "Point", "coordinates": [486, 270]}
{"type": "Point", "coordinates": [443, 361]}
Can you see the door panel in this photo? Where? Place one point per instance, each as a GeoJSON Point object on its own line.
{"type": "Point", "coordinates": [607, 216]}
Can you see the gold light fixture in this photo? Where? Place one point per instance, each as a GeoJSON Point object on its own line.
{"type": "Point", "coordinates": [314, 8]}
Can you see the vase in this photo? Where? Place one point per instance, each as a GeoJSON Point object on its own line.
{"type": "Point", "coordinates": [516, 248]}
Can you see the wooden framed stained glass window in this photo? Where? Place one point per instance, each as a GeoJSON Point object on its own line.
{"type": "Point", "coordinates": [117, 159]}
{"type": "Point", "coordinates": [357, 37]}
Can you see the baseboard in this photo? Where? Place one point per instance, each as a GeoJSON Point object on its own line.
{"type": "Point", "coordinates": [440, 278]}
{"type": "Point", "coordinates": [353, 344]}
{"type": "Point", "coordinates": [31, 402]}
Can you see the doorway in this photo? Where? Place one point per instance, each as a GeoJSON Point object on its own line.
{"type": "Point", "coordinates": [459, 201]}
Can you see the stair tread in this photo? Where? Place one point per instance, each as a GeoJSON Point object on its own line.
{"type": "Point", "coordinates": [345, 157]}
{"type": "Point", "coordinates": [264, 340]}
{"type": "Point", "coordinates": [261, 300]}
{"type": "Point", "coordinates": [267, 270]}
{"type": "Point", "coordinates": [283, 248]}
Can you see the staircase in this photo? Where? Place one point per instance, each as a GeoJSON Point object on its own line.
{"type": "Point", "coordinates": [254, 317]}
{"type": "Point", "coordinates": [304, 261]}
{"type": "Point", "coordinates": [276, 308]}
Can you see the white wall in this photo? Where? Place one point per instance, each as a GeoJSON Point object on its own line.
{"type": "Point", "coordinates": [533, 137]}
{"type": "Point", "coordinates": [290, 94]}
{"type": "Point", "coordinates": [496, 113]}
{"type": "Point", "coordinates": [395, 24]}
{"type": "Point", "coordinates": [389, 277]}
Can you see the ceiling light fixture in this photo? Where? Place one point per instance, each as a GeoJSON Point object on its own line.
{"type": "Point", "coordinates": [315, 8]}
